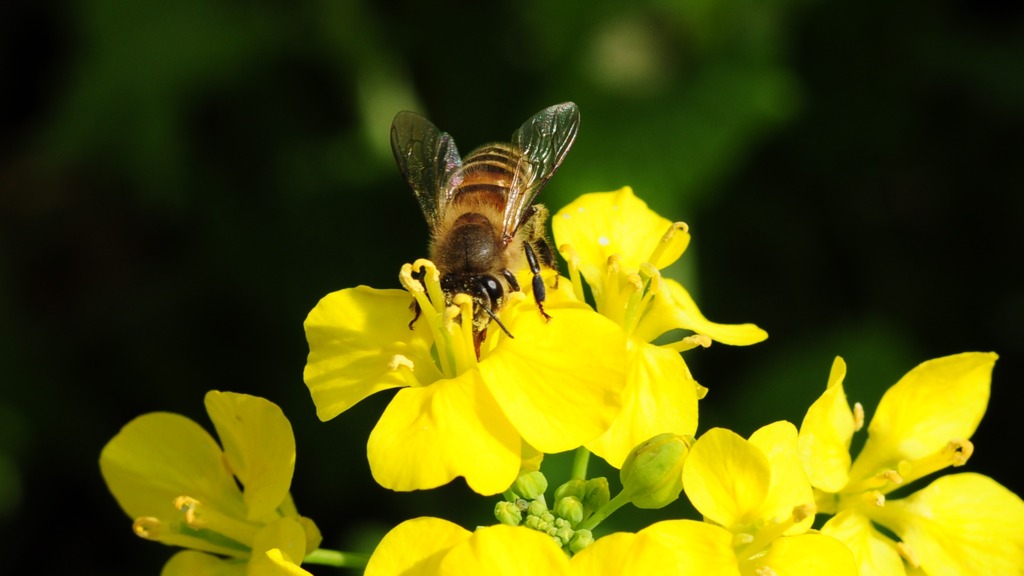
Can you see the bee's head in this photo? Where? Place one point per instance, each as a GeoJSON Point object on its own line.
{"type": "Point", "coordinates": [487, 292]}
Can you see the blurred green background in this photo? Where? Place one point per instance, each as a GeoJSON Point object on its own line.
{"type": "Point", "coordinates": [181, 182]}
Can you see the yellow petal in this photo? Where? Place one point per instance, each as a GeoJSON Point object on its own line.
{"type": "Point", "coordinates": [282, 565]}
{"type": "Point", "coordinates": [938, 401]}
{"type": "Point", "coordinates": [807, 555]}
{"type": "Point", "coordinates": [192, 563]}
{"type": "Point", "coordinates": [160, 456]}
{"type": "Point", "coordinates": [415, 547]}
{"type": "Point", "coordinates": [873, 552]}
{"type": "Point", "coordinates": [429, 435]}
{"type": "Point", "coordinates": [726, 478]}
{"type": "Point", "coordinates": [962, 524]}
{"type": "Point", "coordinates": [660, 396]}
{"type": "Point", "coordinates": [505, 550]}
{"type": "Point", "coordinates": [825, 435]}
{"type": "Point", "coordinates": [601, 224]}
{"type": "Point", "coordinates": [259, 447]}
{"type": "Point", "coordinates": [559, 382]}
{"type": "Point", "coordinates": [674, 308]}
{"type": "Point", "coordinates": [789, 486]}
{"type": "Point", "coordinates": [278, 549]}
{"type": "Point", "coordinates": [354, 338]}
{"type": "Point", "coordinates": [625, 553]}
{"type": "Point", "coordinates": [699, 547]}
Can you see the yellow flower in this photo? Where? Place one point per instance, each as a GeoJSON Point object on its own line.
{"type": "Point", "coordinates": [959, 524]}
{"type": "Point", "coordinates": [551, 387]}
{"type": "Point", "coordinates": [619, 245]}
{"type": "Point", "coordinates": [432, 546]}
{"type": "Point", "coordinates": [758, 506]}
{"type": "Point", "coordinates": [182, 489]}
{"type": "Point", "coordinates": [435, 546]}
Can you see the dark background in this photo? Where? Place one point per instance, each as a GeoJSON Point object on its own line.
{"type": "Point", "coordinates": [180, 184]}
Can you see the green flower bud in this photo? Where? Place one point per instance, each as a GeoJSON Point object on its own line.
{"type": "Point", "coordinates": [652, 475]}
{"type": "Point", "coordinates": [580, 540]}
{"type": "Point", "coordinates": [535, 523]}
{"type": "Point", "coordinates": [570, 508]}
{"type": "Point", "coordinates": [574, 487]}
{"type": "Point", "coordinates": [536, 508]}
{"type": "Point", "coordinates": [508, 513]}
{"type": "Point", "coordinates": [596, 495]}
{"type": "Point", "coordinates": [564, 536]}
{"type": "Point", "coordinates": [530, 485]}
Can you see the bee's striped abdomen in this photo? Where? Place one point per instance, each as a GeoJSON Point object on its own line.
{"type": "Point", "coordinates": [487, 174]}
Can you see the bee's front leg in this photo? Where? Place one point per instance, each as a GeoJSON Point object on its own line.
{"type": "Point", "coordinates": [539, 290]}
{"type": "Point", "coordinates": [415, 306]}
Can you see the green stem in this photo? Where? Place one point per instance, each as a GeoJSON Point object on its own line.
{"type": "Point", "coordinates": [620, 500]}
{"type": "Point", "coordinates": [335, 558]}
{"type": "Point", "coordinates": [579, 464]}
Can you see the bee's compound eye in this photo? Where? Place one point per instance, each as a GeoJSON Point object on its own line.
{"type": "Point", "coordinates": [492, 288]}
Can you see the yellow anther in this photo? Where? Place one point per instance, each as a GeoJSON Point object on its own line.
{"type": "Point", "coordinates": [648, 270]}
{"type": "Point", "coordinates": [148, 527]}
{"type": "Point", "coordinates": [908, 554]}
{"type": "Point", "coordinates": [689, 343]}
{"type": "Point", "coordinates": [410, 283]}
{"type": "Point", "coordinates": [570, 255]}
{"type": "Point", "coordinates": [959, 451]}
{"type": "Point", "coordinates": [452, 312]}
{"type": "Point", "coordinates": [666, 240]}
{"type": "Point", "coordinates": [190, 508]}
{"type": "Point", "coordinates": [634, 282]}
{"type": "Point", "coordinates": [800, 513]}
{"type": "Point", "coordinates": [431, 274]}
{"type": "Point", "coordinates": [874, 498]}
{"type": "Point", "coordinates": [399, 361]}
{"type": "Point", "coordinates": [891, 476]}
{"type": "Point", "coordinates": [613, 265]}
{"type": "Point", "coordinates": [858, 416]}
{"type": "Point", "coordinates": [742, 539]}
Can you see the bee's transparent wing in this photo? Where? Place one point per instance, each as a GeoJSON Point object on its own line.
{"type": "Point", "coordinates": [542, 142]}
{"type": "Point", "coordinates": [429, 161]}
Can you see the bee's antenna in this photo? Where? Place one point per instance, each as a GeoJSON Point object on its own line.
{"type": "Point", "coordinates": [498, 322]}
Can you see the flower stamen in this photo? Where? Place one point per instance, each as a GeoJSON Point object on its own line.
{"type": "Point", "coordinates": [764, 536]}
{"type": "Point", "coordinates": [858, 416]}
{"type": "Point", "coordinates": [573, 259]}
{"type": "Point", "coordinates": [666, 240]}
{"type": "Point", "coordinates": [427, 292]}
{"type": "Point", "coordinates": [908, 554]}
{"type": "Point", "coordinates": [689, 343]}
{"type": "Point", "coordinates": [199, 517]}
{"type": "Point", "coordinates": [955, 453]}
{"type": "Point", "coordinates": [149, 527]}
{"type": "Point", "coordinates": [465, 353]}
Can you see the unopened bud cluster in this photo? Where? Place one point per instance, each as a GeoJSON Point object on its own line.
{"type": "Point", "coordinates": [574, 502]}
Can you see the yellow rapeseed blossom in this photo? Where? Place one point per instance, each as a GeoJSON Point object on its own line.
{"type": "Point", "coordinates": [959, 524]}
{"type": "Point", "coordinates": [758, 505]}
{"type": "Point", "coordinates": [182, 489]}
{"type": "Point", "coordinates": [619, 246]}
{"type": "Point", "coordinates": [553, 386]}
{"type": "Point", "coordinates": [432, 546]}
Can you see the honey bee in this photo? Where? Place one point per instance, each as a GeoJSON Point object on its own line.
{"type": "Point", "coordinates": [483, 224]}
